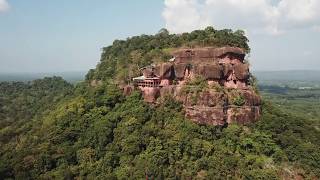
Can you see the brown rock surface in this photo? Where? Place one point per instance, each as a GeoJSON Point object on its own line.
{"type": "Point", "coordinates": [205, 98]}
{"type": "Point", "coordinates": [205, 115]}
{"type": "Point", "coordinates": [224, 97]}
{"type": "Point", "coordinates": [209, 71]}
{"type": "Point", "coordinates": [180, 70]}
{"type": "Point", "coordinates": [167, 90]}
{"type": "Point", "coordinates": [207, 52]}
{"type": "Point", "coordinates": [212, 99]}
{"type": "Point", "coordinates": [164, 70]}
{"type": "Point", "coordinates": [127, 90]}
{"type": "Point", "coordinates": [147, 72]}
{"type": "Point", "coordinates": [251, 98]}
{"type": "Point", "coordinates": [241, 71]}
{"type": "Point", "coordinates": [150, 94]}
{"type": "Point", "coordinates": [227, 69]}
{"type": "Point", "coordinates": [243, 115]}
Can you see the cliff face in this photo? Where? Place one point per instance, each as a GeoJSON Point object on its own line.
{"type": "Point", "coordinates": [212, 84]}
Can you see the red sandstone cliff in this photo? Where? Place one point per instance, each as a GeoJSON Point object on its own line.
{"type": "Point", "coordinates": [212, 84]}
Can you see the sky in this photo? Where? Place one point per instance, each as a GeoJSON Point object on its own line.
{"type": "Point", "coordinates": [61, 36]}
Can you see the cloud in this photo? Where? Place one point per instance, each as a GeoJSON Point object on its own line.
{"type": "Point", "coordinates": [183, 15]}
{"type": "Point", "coordinates": [4, 6]}
{"type": "Point", "coordinates": [256, 16]}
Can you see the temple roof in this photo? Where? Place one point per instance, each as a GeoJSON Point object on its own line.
{"type": "Point", "coordinates": [139, 78]}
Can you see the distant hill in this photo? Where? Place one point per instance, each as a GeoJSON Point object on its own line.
{"type": "Point", "coordinates": [262, 76]}
{"type": "Point", "coordinates": [293, 78]}
{"type": "Point", "coordinates": [71, 77]}
{"type": "Point", "coordinates": [292, 75]}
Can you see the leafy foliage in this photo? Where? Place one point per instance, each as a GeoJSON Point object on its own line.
{"type": "Point", "coordinates": [238, 100]}
{"type": "Point", "coordinates": [236, 97]}
{"type": "Point", "coordinates": [128, 55]}
{"type": "Point", "coordinates": [56, 131]}
{"type": "Point", "coordinates": [102, 134]}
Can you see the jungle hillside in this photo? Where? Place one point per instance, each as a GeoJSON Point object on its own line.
{"type": "Point", "coordinates": [54, 129]}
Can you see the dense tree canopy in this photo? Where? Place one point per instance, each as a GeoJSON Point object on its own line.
{"type": "Point", "coordinates": [52, 130]}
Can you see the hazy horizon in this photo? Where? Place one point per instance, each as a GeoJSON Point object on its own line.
{"type": "Point", "coordinates": [76, 76]}
{"type": "Point", "coordinates": [85, 71]}
{"type": "Point", "coordinates": [64, 36]}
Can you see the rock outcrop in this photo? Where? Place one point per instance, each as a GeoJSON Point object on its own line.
{"type": "Point", "coordinates": [212, 83]}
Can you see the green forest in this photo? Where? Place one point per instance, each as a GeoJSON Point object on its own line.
{"type": "Point", "coordinates": [51, 129]}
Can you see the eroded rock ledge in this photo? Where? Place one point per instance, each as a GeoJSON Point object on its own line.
{"type": "Point", "coordinates": [212, 83]}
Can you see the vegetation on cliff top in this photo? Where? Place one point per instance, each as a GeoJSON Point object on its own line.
{"type": "Point", "coordinates": [66, 132]}
{"type": "Point", "coordinates": [123, 58]}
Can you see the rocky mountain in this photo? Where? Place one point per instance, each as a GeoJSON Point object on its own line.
{"type": "Point", "coordinates": [212, 83]}
{"type": "Point", "coordinates": [51, 129]}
